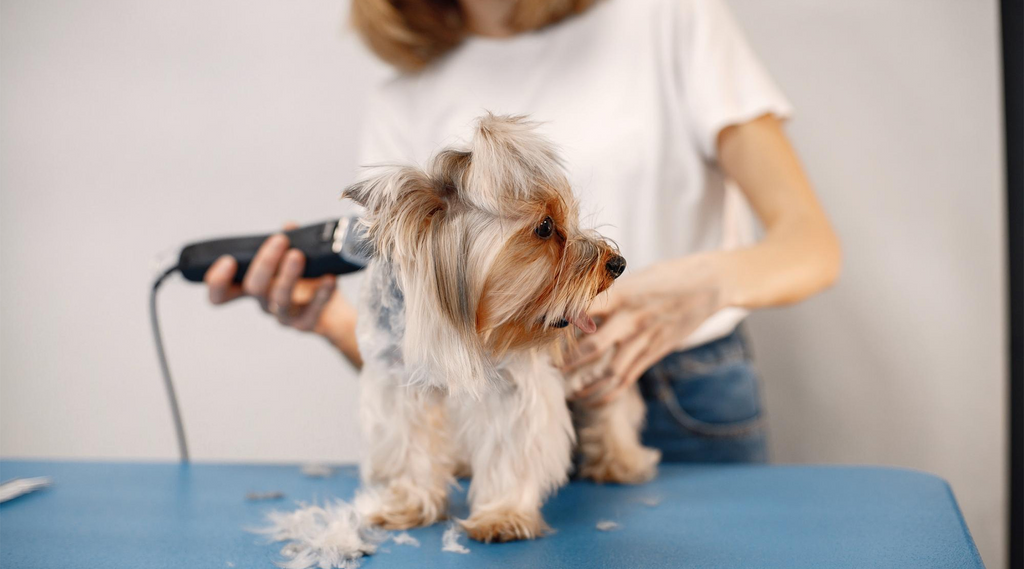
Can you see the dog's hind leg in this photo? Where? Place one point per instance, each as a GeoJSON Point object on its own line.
{"type": "Point", "coordinates": [610, 441]}
{"type": "Point", "coordinates": [519, 438]}
{"type": "Point", "coordinates": [408, 463]}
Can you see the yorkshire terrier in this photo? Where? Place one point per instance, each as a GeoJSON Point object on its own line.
{"type": "Point", "coordinates": [480, 267]}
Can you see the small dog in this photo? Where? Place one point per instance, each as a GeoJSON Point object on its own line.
{"type": "Point", "coordinates": [480, 268]}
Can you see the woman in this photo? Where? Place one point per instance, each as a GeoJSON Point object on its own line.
{"type": "Point", "coordinates": [658, 107]}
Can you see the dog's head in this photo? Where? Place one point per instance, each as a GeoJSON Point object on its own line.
{"type": "Point", "coordinates": [488, 248]}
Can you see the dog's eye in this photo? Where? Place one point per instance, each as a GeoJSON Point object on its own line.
{"type": "Point", "coordinates": [545, 229]}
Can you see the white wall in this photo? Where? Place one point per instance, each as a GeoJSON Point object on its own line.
{"type": "Point", "coordinates": [898, 118]}
{"type": "Point", "coordinates": [128, 127]}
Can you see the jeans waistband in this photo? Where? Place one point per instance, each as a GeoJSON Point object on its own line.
{"type": "Point", "coordinates": [729, 349]}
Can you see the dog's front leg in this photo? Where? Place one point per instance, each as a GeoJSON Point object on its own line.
{"type": "Point", "coordinates": [610, 441]}
{"type": "Point", "coordinates": [409, 462]}
{"type": "Point", "coordinates": [519, 438]}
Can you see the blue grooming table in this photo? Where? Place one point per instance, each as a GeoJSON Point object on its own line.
{"type": "Point", "coordinates": [110, 515]}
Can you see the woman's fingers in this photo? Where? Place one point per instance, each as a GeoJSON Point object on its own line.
{"type": "Point", "coordinates": [282, 288]}
{"type": "Point", "coordinates": [625, 355]}
{"type": "Point", "coordinates": [648, 355]}
{"type": "Point", "coordinates": [608, 397]}
{"type": "Point", "coordinates": [587, 351]}
{"type": "Point", "coordinates": [599, 385]}
{"type": "Point", "coordinates": [261, 271]}
{"type": "Point", "coordinates": [629, 353]}
{"type": "Point", "coordinates": [619, 327]}
{"type": "Point", "coordinates": [219, 280]}
{"type": "Point", "coordinates": [308, 317]}
{"type": "Point", "coordinates": [608, 377]}
{"type": "Point", "coordinates": [274, 279]}
{"type": "Point", "coordinates": [304, 291]}
{"type": "Point", "coordinates": [620, 331]}
{"type": "Point", "coordinates": [591, 347]}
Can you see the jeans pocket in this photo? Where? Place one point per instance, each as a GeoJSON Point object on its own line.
{"type": "Point", "coordinates": [720, 402]}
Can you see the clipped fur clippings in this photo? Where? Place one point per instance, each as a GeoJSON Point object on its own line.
{"type": "Point", "coordinates": [607, 525]}
{"type": "Point", "coordinates": [334, 535]}
{"type": "Point", "coordinates": [650, 501]}
{"type": "Point", "coordinates": [405, 539]}
{"type": "Point", "coordinates": [450, 540]}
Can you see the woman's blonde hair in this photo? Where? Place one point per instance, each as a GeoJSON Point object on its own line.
{"type": "Point", "coordinates": [409, 34]}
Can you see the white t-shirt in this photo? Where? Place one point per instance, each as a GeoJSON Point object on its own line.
{"type": "Point", "coordinates": [633, 92]}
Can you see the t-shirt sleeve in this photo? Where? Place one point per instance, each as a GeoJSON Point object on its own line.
{"type": "Point", "coordinates": [723, 82]}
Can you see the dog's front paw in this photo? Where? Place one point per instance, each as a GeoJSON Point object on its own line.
{"type": "Point", "coordinates": [405, 518]}
{"type": "Point", "coordinates": [505, 525]}
{"type": "Point", "coordinates": [401, 510]}
{"type": "Point", "coordinates": [635, 466]}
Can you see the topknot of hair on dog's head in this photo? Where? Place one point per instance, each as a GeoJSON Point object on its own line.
{"type": "Point", "coordinates": [511, 161]}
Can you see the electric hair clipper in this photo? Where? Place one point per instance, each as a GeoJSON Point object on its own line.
{"type": "Point", "coordinates": [333, 247]}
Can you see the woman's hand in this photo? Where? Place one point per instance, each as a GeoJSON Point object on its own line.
{"type": "Point", "coordinates": [274, 279]}
{"type": "Point", "coordinates": [649, 315]}
{"type": "Point", "coordinates": [644, 317]}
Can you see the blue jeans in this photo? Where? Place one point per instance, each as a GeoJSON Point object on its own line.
{"type": "Point", "coordinates": [704, 405]}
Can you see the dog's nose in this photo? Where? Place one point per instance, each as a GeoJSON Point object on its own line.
{"type": "Point", "coordinates": [615, 266]}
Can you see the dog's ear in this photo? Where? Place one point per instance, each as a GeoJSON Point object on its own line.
{"type": "Point", "coordinates": [386, 186]}
{"type": "Point", "coordinates": [400, 202]}
{"type": "Point", "coordinates": [448, 170]}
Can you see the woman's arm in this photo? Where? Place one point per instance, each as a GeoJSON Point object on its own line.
{"type": "Point", "coordinates": [799, 255]}
{"type": "Point", "coordinates": [338, 325]}
{"type": "Point", "coordinates": [648, 314]}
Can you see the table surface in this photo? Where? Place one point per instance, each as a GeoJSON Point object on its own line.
{"type": "Point", "coordinates": [168, 515]}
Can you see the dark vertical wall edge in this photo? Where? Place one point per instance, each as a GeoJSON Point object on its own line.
{"type": "Point", "coordinates": [1013, 101]}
